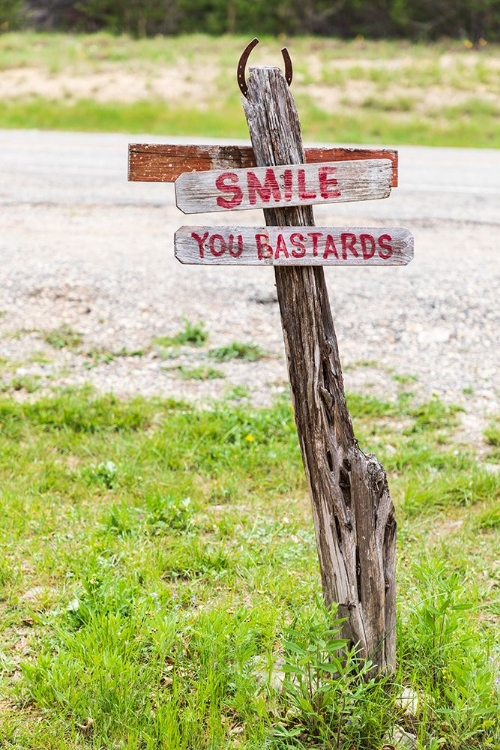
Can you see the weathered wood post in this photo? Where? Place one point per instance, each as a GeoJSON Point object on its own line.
{"type": "Point", "coordinates": [352, 508]}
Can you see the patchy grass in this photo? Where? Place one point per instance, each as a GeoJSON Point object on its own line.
{"type": "Point", "coordinates": [192, 334]}
{"type": "Point", "coordinates": [204, 372]}
{"type": "Point", "coordinates": [101, 356]}
{"type": "Point", "coordinates": [237, 350]}
{"type": "Point", "coordinates": [63, 337]}
{"type": "Point", "coordinates": [27, 383]}
{"type": "Point", "coordinates": [492, 434]}
{"type": "Point", "coordinates": [159, 581]}
{"type": "Point", "coordinates": [353, 91]}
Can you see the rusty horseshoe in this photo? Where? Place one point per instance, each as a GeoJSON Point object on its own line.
{"type": "Point", "coordinates": [240, 76]}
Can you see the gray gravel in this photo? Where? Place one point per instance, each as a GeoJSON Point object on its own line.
{"type": "Point", "coordinates": [82, 247]}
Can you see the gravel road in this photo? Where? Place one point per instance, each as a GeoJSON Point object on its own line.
{"type": "Point", "coordinates": [81, 246]}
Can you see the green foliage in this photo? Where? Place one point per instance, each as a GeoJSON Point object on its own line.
{"type": "Point", "coordinates": [99, 356]}
{"type": "Point", "coordinates": [152, 116]}
{"type": "Point", "coordinates": [329, 699]}
{"type": "Point", "coordinates": [442, 127]}
{"type": "Point", "coordinates": [74, 412]}
{"type": "Point", "coordinates": [429, 19]}
{"type": "Point", "coordinates": [139, 18]}
{"type": "Point", "coordinates": [63, 337]}
{"type": "Point", "coordinates": [204, 372]}
{"type": "Point", "coordinates": [26, 383]}
{"type": "Point", "coordinates": [10, 14]}
{"type": "Point", "coordinates": [492, 433]}
{"type": "Point", "coordinates": [237, 350]}
{"type": "Point", "coordinates": [193, 334]}
{"type": "Point", "coordinates": [447, 662]}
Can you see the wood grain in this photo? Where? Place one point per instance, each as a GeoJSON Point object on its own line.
{"type": "Point", "coordinates": [153, 162]}
{"type": "Point", "coordinates": [288, 185]}
{"type": "Point", "coordinates": [352, 508]}
{"type": "Point", "coordinates": [293, 246]}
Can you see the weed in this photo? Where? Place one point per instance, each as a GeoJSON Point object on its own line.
{"type": "Point", "coordinates": [16, 335]}
{"type": "Point", "coordinates": [99, 356]}
{"type": "Point", "coordinates": [405, 379]}
{"type": "Point", "coordinates": [105, 473]}
{"type": "Point", "coordinates": [237, 350]}
{"type": "Point", "coordinates": [63, 337]}
{"type": "Point", "coordinates": [435, 415]}
{"type": "Point", "coordinates": [402, 104]}
{"type": "Point", "coordinates": [238, 393]}
{"type": "Point", "coordinates": [28, 383]}
{"type": "Point", "coordinates": [492, 433]}
{"type": "Point", "coordinates": [204, 372]}
{"type": "Point", "coordinates": [488, 519]}
{"type": "Point", "coordinates": [440, 635]}
{"type": "Point", "coordinates": [193, 334]}
{"type": "Point", "coordinates": [327, 693]}
{"type": "Point", "coordinates": [40, 358]}
{"type": "Point", "coordinates": [362, 363]}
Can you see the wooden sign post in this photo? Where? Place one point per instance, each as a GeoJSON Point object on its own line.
{"type": "Point", "coordinates": [352, 508]}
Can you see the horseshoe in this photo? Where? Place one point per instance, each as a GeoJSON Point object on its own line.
{"type": "Point", "coordinates": [240, 75]}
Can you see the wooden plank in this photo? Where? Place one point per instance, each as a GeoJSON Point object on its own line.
{"type": "Point", "coordinates": [166, 162]}
{"type": "Point", "coordinates": [293, 246]}
{"type": "Point", "coordinates": [284, 185]}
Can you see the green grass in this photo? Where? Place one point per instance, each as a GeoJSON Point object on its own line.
{"type": "Point", "coordinates": [444, 127]}
{"type": "Point", "coordinates": [237, 350]}
{"type": "Point", "coordinates": [192, 334]}
{"type": "Point", "coordinates": [155, 117]}
{"type": "Point", "coordinates": [27, 383]}
{"type": "Point", "coordinates": [493, 433]}
{"type": "Point", "coordinates": [160, 587]}
{"type": "Point", "coordinates": [63, 337]}
{"type": "Point", "coordinates": [204, 372]}
{"type": "Point", "coordinates": [441, 94]}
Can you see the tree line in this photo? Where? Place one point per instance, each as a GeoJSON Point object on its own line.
{"type": "Point", "coordinates": [473, 20]}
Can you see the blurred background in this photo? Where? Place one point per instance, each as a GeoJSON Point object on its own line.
{"type": "Point", "coordinates": [417, 20]}
{"type": "Point", "coordinates": [392, 71]}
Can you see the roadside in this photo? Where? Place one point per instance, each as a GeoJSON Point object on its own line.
{"type": "Point", "coordinates": [89, 285]}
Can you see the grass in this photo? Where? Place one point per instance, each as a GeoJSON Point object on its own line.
{"type": "Point", "coordinates": [237, 350]}
{"type": "Point", "coordinates": [442, 94]}
{"type": "Point", "coordinates": [493, 433]}
{"type": "Point", "coordinates": [102, 356]}
{"type": "Point", "coordinates": [27, 383]}
{"type": "Point", "coordinates": [192, 334]}
{"type": "Point", "coordinates": [159, 581]}
{"type": "Point", "coordinates": [63, 337]}
{"type": "Point", "coordinates": [204, 372]}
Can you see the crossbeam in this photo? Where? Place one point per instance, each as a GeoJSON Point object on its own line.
{"type": "Point", "coordinates": [155, 162]}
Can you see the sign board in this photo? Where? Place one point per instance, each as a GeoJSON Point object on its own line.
{"type": "Point", "coordinates": [293, 246]}
{"type": "Point", "coordinates": [165, 162]}
{"type": "Point", "coordinates": [284, 186]}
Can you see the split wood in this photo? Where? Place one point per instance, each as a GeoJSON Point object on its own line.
{"type": "Point", "coordinates": [352, 508]}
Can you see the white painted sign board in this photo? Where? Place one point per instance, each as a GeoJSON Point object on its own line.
{"type": "Point", "coordinates": [285, 186]}
{"type": "Point", "coordinates": [294, 246]}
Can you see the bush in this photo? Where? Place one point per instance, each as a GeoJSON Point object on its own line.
{"type": "Point", "coordinates": [415, 19]}
{"type": "Point", "coordinates": [10, 14]}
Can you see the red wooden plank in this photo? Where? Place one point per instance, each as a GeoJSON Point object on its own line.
{"type": "Point", "coordinates": [294, 246]}
{"type": "Point", "coordinates": [166, 162]}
